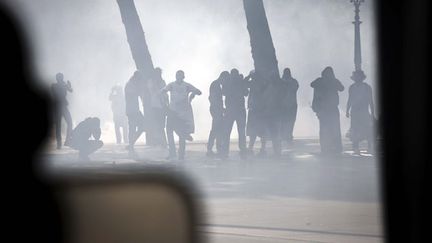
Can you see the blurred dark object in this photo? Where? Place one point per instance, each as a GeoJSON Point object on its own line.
{"type": "Point", "coordinates": [30, 210]}
{"type": "Point", "coordinates": [403, 57]}
{"type": "Point", "coordinates": [127, 206]}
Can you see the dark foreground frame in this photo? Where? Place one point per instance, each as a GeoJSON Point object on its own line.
{"type": "Point", "coordinates": [30, 209]}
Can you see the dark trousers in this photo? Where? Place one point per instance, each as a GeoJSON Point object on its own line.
{"type": "Point", "coordinates": [136, 124]}
{"type": "Point", "coordinates": [216, 132]}
{"type": "Point", "coordinates": [62, 112]}
{"type": "Point", "coordinates": [239, 117]}
{"type": "Point", "coordinates": [172, 146]}
{"type": "Point", "coordinates": [330, 132]}
{"type": "Point", "coordinates": [288, 123]}
{"type": "Point", "coordinates": [119, 128]}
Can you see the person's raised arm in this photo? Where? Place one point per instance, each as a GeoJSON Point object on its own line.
{"type": "Point", "coordinates": [69, 86]}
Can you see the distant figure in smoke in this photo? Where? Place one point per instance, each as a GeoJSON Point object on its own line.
{"type": "Point", "coordinates": [159, 108]}
{"type": "Point", "coordinates": [290, 105]}
{"type": "Point", "coordinates": [217, 113]}
{"type": "Point", "coordinates": [180, 115]}
{"type": "Point", "coordinates": [80, 138]}
{"type": "Point", "coordinates": [59, 91]}
{"type": "Point", "coordinates": [235, 90]}
{"type": "Point", "coordinates": [359, 101]}
{"type": "Point", "coordinates": [118, 107]}
{"type": "Point", "coordinates": [325, 105]}
{"type": "Point", "coordinates": [136, 121]}
{"type": "Point", "coordinates": [256, 126]}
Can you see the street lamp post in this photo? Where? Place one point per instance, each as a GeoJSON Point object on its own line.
{"type": "Point", "coordinates": [358, 72]}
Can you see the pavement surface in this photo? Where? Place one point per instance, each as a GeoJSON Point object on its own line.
{"type": "Point", "coordinates": [300, 197]}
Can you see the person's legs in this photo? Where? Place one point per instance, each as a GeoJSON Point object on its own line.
{"type": "Point", "coordinates": [88, 147]}
{"type": "Point", "coordinates": [171, 142]}
{"type": "Point", "coordinates": [228, 124]}
{"type": "Point", "coordinates": [125, 133]}
{"type": "Point", "coordinates": [117, 132]}
{"type": "Point", "coordinates": [182, 148]}
{"type": "Point", "coordinates": [57, 124]}
{"type": "Point", "coordinates": [241, 129]}
{"type": "Point", "coordinates": [68, 118]}
{"type": "Point", "coordinates": [212, 137]}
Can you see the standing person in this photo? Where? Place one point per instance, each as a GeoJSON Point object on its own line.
{"type": "Point", "coordinates": [180, 115]}
{"type": "Point", "coordinates": [217, 113]}
{"type": "Point", "coordinates": [290, 105]}
{"type": "Point", "coordinates": [136, 121]}
{"type": "Point", "coordinates": [255, 120]}
{"type": "Point", "coordinates": [159, 106]}
{"type": "Point", "coordinates": [325, 105]}
{"type": "Point", "coordinates": [360, 100]}
{"type": "Point", "coordinates": [273, 94]}
{"type": "Point", "coordinates": [118, 107]}
{"type": "Point", "coordinates": [80, 137]}
{"type": "Point", "coordinates": [235, 90]}
{"type": "Point", "coordinates": [59, 91]}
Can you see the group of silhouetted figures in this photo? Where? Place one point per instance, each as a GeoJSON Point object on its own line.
{"type": "Point", "coordinates": [269, 114]}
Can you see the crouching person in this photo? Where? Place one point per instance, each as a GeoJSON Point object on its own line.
{"type": "Point", "coordinates": [81, 137]}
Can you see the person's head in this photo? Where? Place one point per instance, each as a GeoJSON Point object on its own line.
{"type": "Point", "coordinates": [223, 76]}
{"type": "Point", "coordinates": [59, 77]}
{"type": "Point", "coordinates": [235, 72]}
{"type": "Point", "coordinates": [328, 73]}
{"type": "Point", "coordinates": [95, 122]}
{"type": "Point", "coordinates": [286, 74]}
{"type": "Point", "coordinates": [358, 76]}
{"type": "Point", "coordinates": [180, 75]}
{"type": "Point", "coordinates": [157, 73]}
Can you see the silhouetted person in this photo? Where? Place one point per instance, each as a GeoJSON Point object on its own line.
{"type": "Point", "coordinates": [136, 121]}
{"type": "Point", "coordinates": [180, 115]}
{"type": "Point", "coordinates": [217, 113]}
{"type": "Point", "coordinates": [235, 90]}
{"type": "Point", "coordinates": [256, 126]}
{"type": "Point", "coordinates": [118, 108]}
{"type": "Point", "coordinates": [360, 100]}
{"type": "Point", "coordinates": [273, 110]}
{"type": "Point", "coordinates": [159, 107]}
{"type": "Point", "coordinates": [81, 137]}
{"type": "Point", "coordinates": [325, 105]}
{"type": "Point", "coordinates": [59, 91]}
{"type": "Point", "coordinates": [290, 105]}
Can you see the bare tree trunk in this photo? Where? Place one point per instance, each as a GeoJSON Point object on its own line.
{"type": "Point", "coordinates": [263, 51]}
{"type": "Point", "coordinates": [139, 49]}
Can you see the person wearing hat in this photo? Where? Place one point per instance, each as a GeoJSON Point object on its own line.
{"type": "Point", "coordinates": [360, 108]}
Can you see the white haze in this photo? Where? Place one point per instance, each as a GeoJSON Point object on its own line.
{"type": "Point", "coordinates": [86, 40]}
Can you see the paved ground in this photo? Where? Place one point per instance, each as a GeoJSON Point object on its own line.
{"type": "Point", "coordinates": [299, 197]}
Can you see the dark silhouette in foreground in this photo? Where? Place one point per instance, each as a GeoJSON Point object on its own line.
{"type": "Point", "coordinates": [59, 91]}
{"type": "Point", "coordinates": [180, 115]}
{"type": "Point", "coordinates": [290, 105]}
{"type": "Point", "coordinates": [136, 121]}
{"type": "Point", "coordinates": [325, 105]}
{"type": "Point", "coordinates": [81, 137]}
{"type": "Point", "coordinates": [217, 112]}
{"type": "Point", "coordinates": [360, 100]}
{"type": "Point", "coordinates": [118, 107]}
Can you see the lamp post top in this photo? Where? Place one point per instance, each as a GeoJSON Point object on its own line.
{"type": "Point", "coordinates": [357, 2]}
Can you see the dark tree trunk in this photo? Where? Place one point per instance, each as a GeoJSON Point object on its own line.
{"type": "Point", "coordinates": [263, 51]}
{"type": "Point", "coordinates": [139, 49]}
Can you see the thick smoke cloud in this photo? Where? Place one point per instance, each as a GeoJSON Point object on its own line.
{"type": "Point", "coordinates": [86, 41]}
